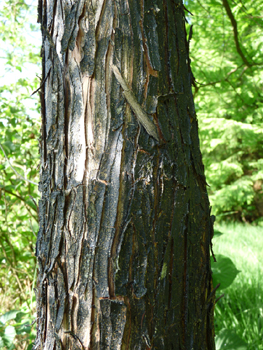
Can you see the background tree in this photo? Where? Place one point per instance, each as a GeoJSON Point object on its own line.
{"type": "Point", "coordinates": [125, 227]}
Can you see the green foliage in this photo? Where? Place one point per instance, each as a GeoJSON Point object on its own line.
{"type": "Point", "coordinates": [12, 324]}
{"type": "Point", "coordinates": [224, 271]}
{"type": "Point", "coordinates": [224, 274]}
{"type": "Point", "coordinates": [229, 103]}
{"type": "Point", "coordinates": [240, 311]}
{"type": "Point", "coordinates": [229, 340]}
{"type": "Point", "coordinates": [19, 125]}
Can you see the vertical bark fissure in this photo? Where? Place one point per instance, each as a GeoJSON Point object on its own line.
{"type": "Point", "coordinates": [166, 46]}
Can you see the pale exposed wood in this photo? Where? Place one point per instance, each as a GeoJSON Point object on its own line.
{"type": "Point", "coordinates": [137, 109]}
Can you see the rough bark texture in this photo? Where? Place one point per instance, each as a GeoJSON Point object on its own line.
{"type": "Point", "coordinates": [125, 227]}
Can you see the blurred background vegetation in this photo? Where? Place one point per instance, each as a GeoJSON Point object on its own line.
{"type": "Point", "coordinates": [226, 52]}
{"type": "Point", "coordinates": [19, 132]}
{"type": "Point", "coordinates": [226, 49]}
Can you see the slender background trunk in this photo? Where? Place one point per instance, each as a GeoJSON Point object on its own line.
{"type": "Point", "coordinates": [125, 228]}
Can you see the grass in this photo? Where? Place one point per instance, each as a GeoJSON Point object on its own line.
{"type": "Point", "coordinates": [241, 309]}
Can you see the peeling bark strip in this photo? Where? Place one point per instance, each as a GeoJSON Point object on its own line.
{"type": "Point", "coordinates": [140, 114]}
{"type": "Point", "coordinates": [125, 227]}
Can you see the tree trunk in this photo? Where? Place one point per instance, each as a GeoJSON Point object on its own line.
{"type": "Point", "coordinates": [125, 227]}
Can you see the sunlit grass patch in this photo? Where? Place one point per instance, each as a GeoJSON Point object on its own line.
{"type": "Point", "coordinates": [241, 309]}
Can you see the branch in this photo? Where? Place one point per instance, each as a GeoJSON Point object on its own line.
{"type": "Point", "coordinates": [19, 197]}
{"type": "Point", "coordinates": [203, 7]}
{"type": "Point", "coordinates": [42, 83]}
{"type": "Point", "coordinates": [215, 82]}
{"type": "Point", "coordinates": [21, 177]}
{"type": "Point", "coordinates": [234, 25]}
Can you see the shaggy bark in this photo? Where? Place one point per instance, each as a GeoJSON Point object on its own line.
{"type": "Point", "coordinates": [125, 227]}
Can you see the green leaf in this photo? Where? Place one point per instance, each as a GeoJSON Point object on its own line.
{"type": "Point", "coordinates": [9, 335]}
{"type": "Point", "coordinates": [224, 271]}
{"type": "Point", "coordinates": [1, 343]}
{"type": "Point", "coordinates": [13, 122]}
{"type": "Point", "coordinates": [12, 347]}
{"type": "Point", "coordinates": [20, 314]}
{"type": "Point", "coordinates": [228, 340]}
{"type": "Point", "coordinates": [217, 233]}
{"type": "Point", "coordinates": [24, 328]}
{"type": "Point", "coordinates": [10, 315]}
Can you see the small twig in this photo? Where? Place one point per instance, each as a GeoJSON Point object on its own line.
{"type": "Point", "coordinates": [34, 202]}
{"type": "Point", "coordinates": [212, 293]}
{"type": "Point", "coordinates": [234, 26]}
{"type": "Point", "coordinates": [19, 197]}
{"type": "Point", "coordinates": [22, 177]}
{"type": "Point", "coordinates": [221, 296]}
{"type": "Point", "coordinates": [43, 82]}
{"type": "Point", "coordinates": [187, 10]}
{"type": "Point", "coordinates": [75, 337]}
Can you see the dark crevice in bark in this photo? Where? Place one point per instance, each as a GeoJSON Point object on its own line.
{"type": "Point", "coordinates": [167, 62]}
{"type": "Point", "coordinates": [185, 286]}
